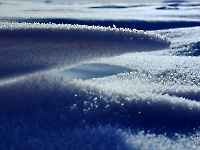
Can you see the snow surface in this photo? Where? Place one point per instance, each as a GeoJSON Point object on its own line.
{"type": "Point", "coordinates": [130, 101]}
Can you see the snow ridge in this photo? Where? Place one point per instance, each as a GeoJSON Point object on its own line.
{"type": "Point", "coordinates": [30, 47]}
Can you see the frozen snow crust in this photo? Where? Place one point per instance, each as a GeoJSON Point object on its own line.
{"type": "Point", "coordinates": [150, 101]}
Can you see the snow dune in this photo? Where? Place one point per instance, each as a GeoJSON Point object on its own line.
{"type": "Point", "coordinates": [28, 47]}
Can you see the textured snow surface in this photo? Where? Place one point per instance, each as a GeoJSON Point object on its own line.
{"type": "Point", "coordinates": [82, 87]}
{"type": "Point", "coordinates": [173, 10]}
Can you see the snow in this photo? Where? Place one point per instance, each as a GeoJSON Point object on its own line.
{"type": "Point", "coordinates": [119, 99]}
{"type": "Point", "coordinates": [28, 47]}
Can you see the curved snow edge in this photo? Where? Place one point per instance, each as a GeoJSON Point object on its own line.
{"type": "Point", "coordinates": [29, 47]}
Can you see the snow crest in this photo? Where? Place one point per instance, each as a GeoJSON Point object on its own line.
{"type": "Point", "coordinates": [30, 47]}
